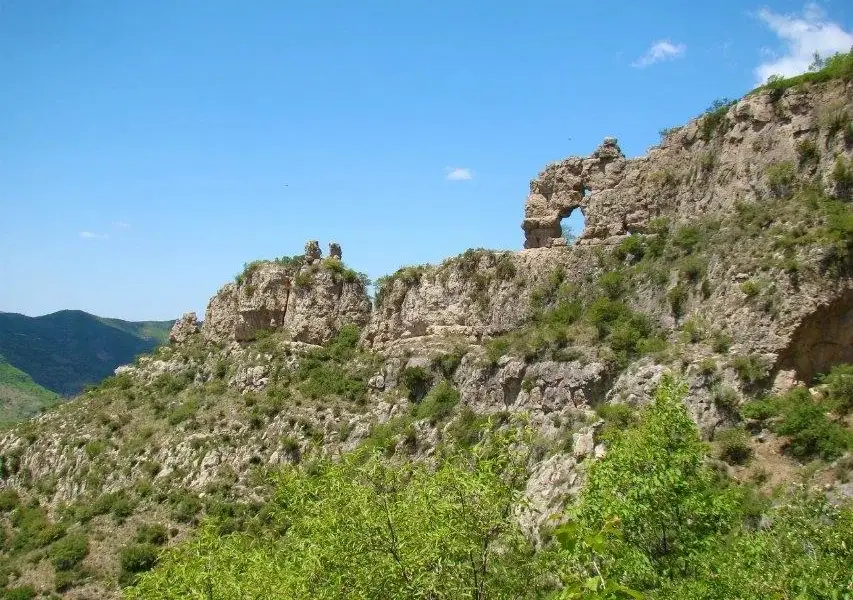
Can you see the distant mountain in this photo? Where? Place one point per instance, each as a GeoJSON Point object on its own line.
{"type": "Point", "coordinates": [66, 350]}
{"type": "Point", "coordinates": [20, 396]}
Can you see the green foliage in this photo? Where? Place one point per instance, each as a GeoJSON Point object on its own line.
{"type": "Point", "coordinates": [804, 421]}
{"type": "Point", "coordinates": [364, 528]}
{"type": "Point", "coordinates": [447, 363]}
{"type": "Point", "coordinates": [734, 445]}
{"type": "Point", "coordinates": [612, 284]}
{"type": "Point", "coordinates": [332, 372]}
{"type": "Point", "coordinates": [136, 558]}
{"type": "Point", "coordinates": [750, 288]}
{"type": "Point", "coordinates": [344, 273]}
{"type": "Point", "coordinates": [751, 369]}
{"type": "Point", "coordinates": [68, 552]}
{"type": "Point", "coordinates": [677, 297]}
{"type": "Point", "coordinates": [617, 418]}
{"type": "Point", "coordinates": [803, 552]}
{"type": "Point", "coordinates": [780, 178]}
{"type": "Point", "coordinates": [807, 151]}
{"type": "Point", "coordinates": [838, 66]}
{"type": "Point", "coordinates": [408, 276]}
{"type": "Point", "coordinates": [842, 176]}
{"type": "Point", "coordinates": [154, 534]}
{"type": "Point", "coordinates": [714, 119]}
{"type": "Point", "coordinates": [438, 403]}
{"type": "Point", "coordinates": [9, 500]}
{"type": "Point", "coordinates": [95, 448]}
{"type": "Point", "coordinates": [633, 247]}
{"type": "Point", "coordinates": [416, 380]}
{"type": "Point", "coordinates": [653, 490]}
{"type": "Point", "coordinates": [839, 387]}
{"type": "Point", "coordinates": [24, 592]}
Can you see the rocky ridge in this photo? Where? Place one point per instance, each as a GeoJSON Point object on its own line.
{"type": "Point", "coordinates": [716, 256]}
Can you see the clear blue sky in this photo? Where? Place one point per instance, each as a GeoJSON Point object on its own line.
{"type": "Point", "coordinates": [149, 149]}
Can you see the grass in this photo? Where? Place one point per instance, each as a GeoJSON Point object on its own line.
{"type": "Point", "coordinates": [839, 66]}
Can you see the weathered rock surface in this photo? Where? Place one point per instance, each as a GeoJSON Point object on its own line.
{"type": "Point", "coordinates": [692, 172]}
{"type": "Point", "coordinates": [310, 301]}
{"type": "Point", "coordinates": [184, 328]}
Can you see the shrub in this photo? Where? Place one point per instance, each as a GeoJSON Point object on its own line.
{"type": "Point", "coordinates": [750, 368]}
{"type": "Point", "coordinates": [842, 175]}
{"type": "Point", "coordinates": [714, 118]}
{"type": "Point", "coordinates": [68, 552]}
{"type": "Point", "coordinates": [780, 178]}
{"type": "Point", "coordinates": [761, 409]}
{"type": "Point", "coordinates": [677, 296]}
{"type": "Point", "coordinates": [839, 66]}
{"type": "Point", "coordinates": [95, 448]}
{"type": "Point", "coordinates": [734, 445]}
{"type": "Point", "coordinates": [809, 430]}
{"type": "Point", "coordinates": [692, 268]}
{"type": "Point", "coordinates": [438, 403]}
{"type": "Point", "coordinates": [612, 284]}
{"type": "Point", "coordinates": [807, 151]}
{"type": "Point", "coordinates": [839, 383]}
{"type": "Point", "coordinates": [616, 417]}
{"type": "Point", "coordinates": [24, 592]}
{"type": "Point", "coordinates": [725, 398]}
{"type": "Point", "coordinates": [446, 364]}
{"type": "Point", "coordinates": [65, 580]}
{"type": "Point", "coordinates": [137, 558]}
{"type": "Point", "coordinates": [722, 342]}
{"type": "Point", "coordinates": [9, 500]}
{"type": "Point", "coordinates": [416, 380]}
{"type": "Point", "coordinates": [750, 288]}
{"type": "Point", "coordinates": [633, 246]}
{"type": "Point", "coordinates": [155, 534]}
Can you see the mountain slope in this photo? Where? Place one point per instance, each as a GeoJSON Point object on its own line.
{"type": "Point", "coordinates": [720, 267]}
{"type": "Point", "coordinates": [66, 350]}
{"type": "Point", "coordinates": [20, 396]}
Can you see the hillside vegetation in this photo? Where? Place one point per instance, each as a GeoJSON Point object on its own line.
{"type": "Point", "coordinates": [663, 410]}
{"type": "Point", "coordinates": [67, 350]}
{"type": "Point", "coordinates": [20, 396]}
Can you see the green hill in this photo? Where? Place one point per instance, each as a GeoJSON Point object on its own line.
{"type": "Point", "coordinates": [20, 396]}
{"type": "Point", "coordinates": [66, 350]}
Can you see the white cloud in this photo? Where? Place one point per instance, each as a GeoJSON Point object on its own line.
{"type": "Point", "coordinates": [660, 51]}
{"type": "Point", "coordinates": [88, 235]}
{"type": "Point", "coordinates": [121, 225]}
{"type": "Point", "coordinates": [458, 174]}
{"type": "Point", "coordinates": [803, 35]}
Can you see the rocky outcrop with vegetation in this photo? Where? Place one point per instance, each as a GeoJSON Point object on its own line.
{"type": "Point", "coordinates": [692, 347]}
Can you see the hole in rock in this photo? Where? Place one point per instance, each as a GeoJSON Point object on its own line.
{"type": "Point", "coordinates": [822, 340]}
{"type": "Point", "coordinates": [572, 225]}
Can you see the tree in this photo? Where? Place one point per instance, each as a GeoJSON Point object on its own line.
{"type": "Point", "coordinates": [362, 528]}
{"type": "Point", "coordinates": [651, 501]}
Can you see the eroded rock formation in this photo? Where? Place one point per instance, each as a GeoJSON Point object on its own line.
{"type": "Point", "coordinates": [307, 298]}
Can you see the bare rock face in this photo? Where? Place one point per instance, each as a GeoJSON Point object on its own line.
{"type": "Point", "coordinates": [184, 328]}
{"type": "Point", "coordinates": [696, 169]}
{"type": "Point", "coordinates": [311, 301]}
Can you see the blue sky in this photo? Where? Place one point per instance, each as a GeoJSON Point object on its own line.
{"type": "Point", "coordinates": [149, 149]}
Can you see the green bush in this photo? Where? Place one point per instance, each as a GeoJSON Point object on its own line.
{"type": "Point", "coordinates": [68, 552]}
{"type": "Point", "coordinates": [714, 119]}
{"type": "Point", "coordinates": [612, 284]}
{"type": "Point", "coordinates": [9, 500]}
{"type": "Point", "coordinates": [734, 445]}
{"type": "Point", "coordinates": [838, 66]}
{"type": "Point", "coordinates": [810, 432]}
{"type": "Point", "coordinates": [633, 247]}
{"type": "Point", "coordinates": [750, 288]}
{"type": "Point", "coordinates": [416, 380]}
{"type": "Point", "coordinates": [726, 399]}
{"type": "Point", "coordinates": [136, 558]}
{"type": "Point", "coordinates": [780, 178]}
{"type": "Point", "coordinates": [807, 151]}
{"type": "Point", "coordinates": [750, 368]}
{"type": "Point", "coordinates": [677, 297]}
{"type": "Point", "coordinates": [761, 409]}
{"type": "Point", "coordinates": [839, 385]}
{"type": "Point", "coordinates": [155, 534]}
{"type": "Point", "coordinates": [438, 403]}
{"type": "Point", "coordinates": [65, 580]}
{"type": "Point", "coordinates": [95, 448]}
{"type": "Point", "coordinates": [24, 592]}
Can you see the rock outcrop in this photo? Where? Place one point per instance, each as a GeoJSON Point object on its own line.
{"type": "Point", "coordinates": [307, 297]}
{"type": "Point", "coordinates": [708, 165]}
{"type": "Point", "coordinates": [184, 328]}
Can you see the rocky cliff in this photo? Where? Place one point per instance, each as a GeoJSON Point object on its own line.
{"type": "Point", "coordinates": [724, 255]}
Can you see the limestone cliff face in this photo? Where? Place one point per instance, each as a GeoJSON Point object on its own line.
{"type": "Point", "coordinates": [708, 165]}
{"type": "Point", "coordinates": [310, 298]}
{"type": "Point", "coordinates": [704, 170]}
